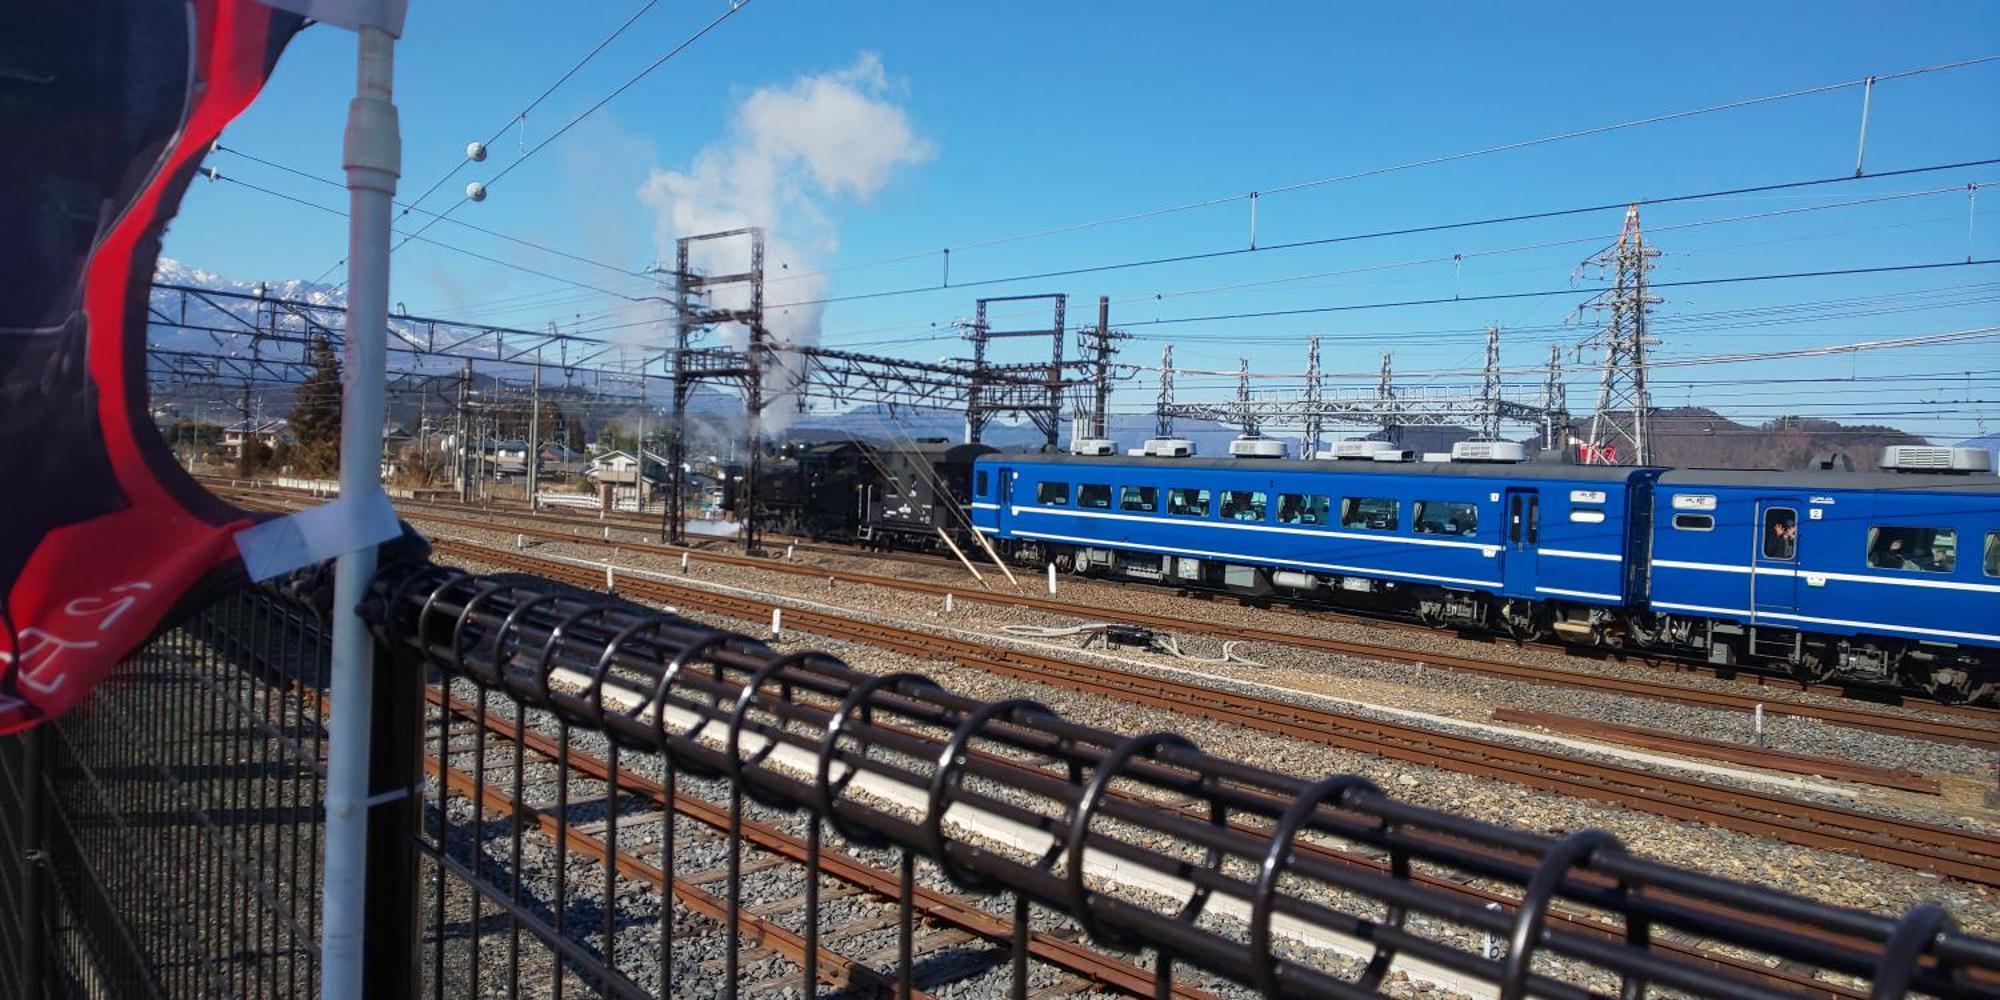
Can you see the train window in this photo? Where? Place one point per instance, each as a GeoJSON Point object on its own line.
{"type": "Point", "coordinates": [1188, 503]}
{"type": "Point", "coordinates": [1302, 508]}
{"type": "Point", "coordinates": [1145, 499]}
{"type": "Point", "coordinates": [1093, 496]}
{"type": "Point", "coordinates": [1928, 550]}
{"type": "Point", "coordinates": [1052, 494]}
{"type": "Point", "coordinates": [1243, 505]}
{"type": "Point", "coordinates": [1781, 533]}
{"type": "Point", "coordinates": [1374, 513]}
{"type": "Point", "coordinates": [979, 482]}
{"type": "Point", "coordinates": [1694, 522]}
{"type": "Point", "coordinates": [1993, 553]}
{"type": "Point", "coordinates": [1446, 517]}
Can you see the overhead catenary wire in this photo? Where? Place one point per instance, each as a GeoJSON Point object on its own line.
{"type": "Point", "coordinates": [1241, 251]}
{"type": "Point", "coordinates": [711, 25]}
{"type": "Point", "coordinates": [1864, 81]}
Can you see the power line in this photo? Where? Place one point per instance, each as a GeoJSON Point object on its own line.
{"type": "Point", "coordinates": [1385, 233]}
{"type": "Point", "coordinates": [735, 5]}
{"type": "Point", "coordinates": [1548, 292]}
{"type": "Point", "coordinates": [407, 208]}
{"type": "Point", "coordinates": [433, 242]}
{"type": "Point", "coordinates": [1414, 164]}
{"type": "Point", "coordinates": [531, 105]}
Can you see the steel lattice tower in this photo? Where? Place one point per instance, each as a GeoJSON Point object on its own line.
{"type": "Point", "coordinates": [1618, 427]}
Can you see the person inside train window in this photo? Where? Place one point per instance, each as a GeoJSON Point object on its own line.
{"type": "Point", "coordinates": [1926, 550]}
{"type": "Point", "coordinates": [1373, 513]}
{"type": "Point", "coordinates": [1302, 508]}
{"type": "Point", "coordinates": [1242, 505]}
{"type": "Point", "coordinates": [1052, 494]}
{"type": "Point", "coordinates": [1187, 503]}
{"type": "Point", "coordinates": [1781, 533]}
{"type": "Point", "coordinates": [1443, 517]}
{"type": "Point", "coordinates": [1093, 496]}
{"type": "Point", "coordinates": [1144, 499]}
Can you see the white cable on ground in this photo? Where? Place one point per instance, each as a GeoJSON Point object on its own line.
{"type": "Point", "coordinates": [1165, 643]}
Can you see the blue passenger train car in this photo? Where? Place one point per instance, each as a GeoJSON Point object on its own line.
{"type": "Point", "coordinates": [1863, 575]}
{"type": "Point", "coordinates": [1524, 547]}
{"type": "Point", "coordinates": [1884, 577]}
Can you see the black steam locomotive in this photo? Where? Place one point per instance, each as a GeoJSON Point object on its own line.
{"type": "Point", "coordinates": [895, 496]}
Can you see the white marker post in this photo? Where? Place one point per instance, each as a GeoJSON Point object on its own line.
{"type": "Point", "coordinates": [1052, 579]}
{"type": "Point", "coordinates": [684, 562]}
{"type": "Point", "coordinates": [1757, 721]}
{"type": "Point", "coordinates": [372, 154]}
{"type": "Point", "coordinates": [947, 602]}
{"type": "Point", "coordinates": [610, 582]}
{"type": "Point", "coordinates": [777, 622]}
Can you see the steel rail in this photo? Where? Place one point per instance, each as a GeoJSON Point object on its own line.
{"type": "Point", "coordinates": [1982, 732]}
{"type": "Point", "coordinates": [1961, 854]}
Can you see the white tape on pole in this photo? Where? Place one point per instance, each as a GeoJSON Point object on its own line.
{"type": "Point", "coordinates": [316, 534]}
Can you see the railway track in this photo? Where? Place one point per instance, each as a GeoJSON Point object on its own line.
{"type": "Point", "coordinates": [1987, 718]}
{"type": "Point", "coordinates": [598, 844]}
{"type": "Point", "coordinates": [500, 786]}
{"type": "Point", "coordinates": [1970, 856]}
{"type": "Point", "coordinates": [954, 921]}
{"type": "Point", "coordinates": [1980, 729]}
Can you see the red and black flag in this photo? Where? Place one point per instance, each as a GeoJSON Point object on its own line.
{"type": "Point", "coordinates": [106, 109]}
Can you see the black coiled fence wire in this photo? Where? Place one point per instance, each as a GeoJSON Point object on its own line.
{"type": "Point", "coordinates": [1296, 885]}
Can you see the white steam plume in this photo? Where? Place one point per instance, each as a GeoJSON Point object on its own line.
{"type": "Point", "coordinates": [791, 152]}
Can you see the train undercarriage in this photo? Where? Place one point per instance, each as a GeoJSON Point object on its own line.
{"type": "Point", "coordinates": [1947, 672]}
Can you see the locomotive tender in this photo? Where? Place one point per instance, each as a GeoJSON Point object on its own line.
{"type": "Point", "coordinates": [1886, 578]}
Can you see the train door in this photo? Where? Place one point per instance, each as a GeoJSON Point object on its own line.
{"type": "Point", "coordinates": [1521, 562]}
{"type": "Point", "coordinates": [1003, 480]}
{"type": "Point", "coordinates": [1774, 580]}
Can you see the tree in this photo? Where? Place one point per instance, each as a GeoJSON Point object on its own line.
{"type": "Point", "coordinates": [316, 412]}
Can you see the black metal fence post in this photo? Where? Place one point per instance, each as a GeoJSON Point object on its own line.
{"type": "Point", "coordinates": [392, 949]}
{"type": "Point", "coordinates": [34, 793]}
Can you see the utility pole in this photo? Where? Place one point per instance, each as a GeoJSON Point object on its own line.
{"type": "Point", "coordinates": [1246, 416]}
{"type": "Point", "coordinates": [535, 439]}
{"type": "Point", "coordinates": [1315, 421]}
{"type": "Point", "coordinates": [1618, 428]}
{"type": "Point", "coordinates": [1489, 388]}
{"type": "Point", "coordinates": [1101, 343]}
{"type": "Point", "coordinates": [639, 479]}
{"type": "Point", "coordinates": [461, 436]}
{"type": "Point", "coordinates": [1163, 420]}
{"type": "Point", "coordinates": [1385, 392]}
{"type": "Point", "coordinates": [1555, 403]}
{"type": "Point", "coordinates": [244, 439]}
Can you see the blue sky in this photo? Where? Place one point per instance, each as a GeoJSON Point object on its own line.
{"type": "Point", "coordinates": [1031, 116]}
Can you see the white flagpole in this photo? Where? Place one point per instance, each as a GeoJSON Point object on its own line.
{"type": "Point", "coordinates": [373, 157]}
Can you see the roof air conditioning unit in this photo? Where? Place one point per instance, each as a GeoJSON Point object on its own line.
{"type": "Point", "coordinates": [1093, 446]}
{"type": "Point", "coordinates": [1437, 456]}
{"type": "Point", "coordinates": [1257, 447]}
{"type": "Point", "coordinates": [1167, 448]}
{"type": "Point", "coordinates": [1928, 458]}
{"type": "Point", "coordinates": [1393, 455]}
{"type": "Point", "coordinates": [1358, 448]}
{"type": "Point", "coordinates": [1489, 451]}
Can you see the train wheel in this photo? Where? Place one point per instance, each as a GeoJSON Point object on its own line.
{"type": "Point", "coordinates": [1951, 687]}
{"type": "Point", "coordinates": [1811, 669]}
